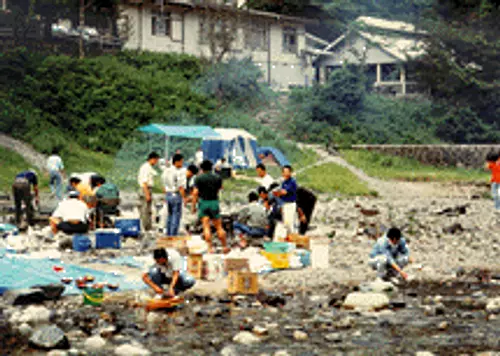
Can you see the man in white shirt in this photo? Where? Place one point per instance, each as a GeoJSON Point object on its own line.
{"type": "Point", "coordinates": [71, 215]}
{"type": "Point", "coordinates": [265, 179]}
{"type": "Point", "coordinates": [198, 157]}
{"type": "Point", "coordinates": [55, 167]}
{"type": "Point", "coordinates": [174, 181]}
{"type": "Point", "coordinates": [146, 181]}
{"type": "Point", "coordinates": [166, 271]}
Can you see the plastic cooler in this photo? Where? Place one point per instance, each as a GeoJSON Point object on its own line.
{"type": "Point", "coordinates": [107, 238]}
{"type": "Point", "coordinates": [129, 227]}
{"type": "Point", "coordinates": [81, 243]}
{"type": "Point", "coordinates": [278, 247]}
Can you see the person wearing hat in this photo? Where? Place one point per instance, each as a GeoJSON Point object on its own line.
{"type": "Point", "coordinates": [21, 190]}
{"type": "Point", "coordinates": [165, 277]}
{"type": "Point", "coordinates": [71, 215]}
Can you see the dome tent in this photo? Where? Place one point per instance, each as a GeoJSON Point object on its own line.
{"type": "Point", "coordinates": [237, 146]}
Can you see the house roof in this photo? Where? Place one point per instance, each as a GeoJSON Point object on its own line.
{"type": "Point", "coordinates": [390, 25]}
{"type": "Point", "coordinates": [193, 4]}
{"type": "Point", "coordinates": [396, 38]}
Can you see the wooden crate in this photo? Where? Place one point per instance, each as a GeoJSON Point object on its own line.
{"type": "Point", "coordinates": [300, 241]}
{"type": "Point", "coordinates": [195, 266]}
{"type": "Point", "coordinates": [175, 242]}
{"type": "Point", "coordinates": [246, 283]}
{"type": "Point", "coordinates": [236, 264]}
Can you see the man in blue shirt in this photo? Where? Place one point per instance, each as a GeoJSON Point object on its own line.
{"type": "Point", "coordinates": [288, 191]}
{"type": "Point", "coordinates": [21, 190]}
{"type": "Point", "coordinates": [390, 255]}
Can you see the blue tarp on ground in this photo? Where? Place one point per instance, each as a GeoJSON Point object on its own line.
{"type": "Point", "coordinates": [18, 272]}
{"type": "Point", "coordinates": [180, 131]}
{"type": "Point", "coordinates": [277, 154]}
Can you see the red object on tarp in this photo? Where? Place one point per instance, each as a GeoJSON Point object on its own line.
{"type": "Point", "coordinates": [58, 268]}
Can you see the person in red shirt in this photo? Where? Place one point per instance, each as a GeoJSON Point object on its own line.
{"type": "Point", "coordinates": [493, 164]}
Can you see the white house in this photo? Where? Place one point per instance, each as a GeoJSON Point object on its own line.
{"type": "Point", "coordinates": [276, 43]}
{"type": "Point", "coordinates": [385, 47]}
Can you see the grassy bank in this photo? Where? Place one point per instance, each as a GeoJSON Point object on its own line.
{"type": "Point", "coordinates": [400, 168]}
{"type": "Point", "coordinates": [332, 178]}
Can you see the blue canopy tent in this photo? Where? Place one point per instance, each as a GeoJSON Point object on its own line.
{"type": "Point", "coordinates": [178, 131]}
{"type": "Point", "coordinates": [237, 146]}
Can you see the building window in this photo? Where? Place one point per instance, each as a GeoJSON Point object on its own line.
{"type": "Point", "coordinates": [256, 37]}
{"type": "Point", "coordinates": [290, 43]}
{"type": "Point", "coordinates": [161, 24]}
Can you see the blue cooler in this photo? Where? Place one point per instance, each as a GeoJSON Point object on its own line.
{"type": "Point", "coordinates": [129, 227]}
{"type": "Point", "coordinates": [81, 243]}
{"type": "Point", "coordinates": [107, 238]}
{"type": "Point", "coordinates": [8, 229]}
{"type": "Point", "coordinates": [305, 257]}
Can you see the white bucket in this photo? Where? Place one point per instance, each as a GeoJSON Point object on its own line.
{"type": "Point", "coordinates": [214, 267]}
{"type": "Point", "coordinates": [320, 252]}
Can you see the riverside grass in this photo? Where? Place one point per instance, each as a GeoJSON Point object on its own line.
{"type": "Point", "coordinates": [400, 168]}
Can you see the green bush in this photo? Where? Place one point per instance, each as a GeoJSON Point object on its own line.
{"type": "Point", "coordinates": [98, 102]}
{"type": "Point", "coordinates": [237, 81]}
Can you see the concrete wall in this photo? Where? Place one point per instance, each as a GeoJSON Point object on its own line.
{"type": "Point", "coordinates": [286, 68]}
{"type": "Point", "coordinates": [470, 156]}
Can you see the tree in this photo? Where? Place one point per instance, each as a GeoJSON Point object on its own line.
{"type": "Point", "coordinates": [461, 63]}
{"type": "Point", "coordinates": [219, 29]}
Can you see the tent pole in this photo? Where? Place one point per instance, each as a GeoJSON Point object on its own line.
{"type": "Point", "coordinates": [167, 139]}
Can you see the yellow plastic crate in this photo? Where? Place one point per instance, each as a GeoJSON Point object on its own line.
{"type": "Point", "coordinates": [278, 260]}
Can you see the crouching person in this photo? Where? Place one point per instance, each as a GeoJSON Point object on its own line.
{"type": "Point", "coordinates": [71, 215]}
{"type": "Point", "coordinates": [165, 276]}
{"type": "Point", "coordinates": [390, 255]}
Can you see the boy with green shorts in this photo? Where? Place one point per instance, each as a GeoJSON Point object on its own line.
{"type": "Point", "coordinates": [206, 193]}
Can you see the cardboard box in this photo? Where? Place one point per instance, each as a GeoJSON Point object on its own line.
{"type": "Point", "coordinates": [236, 264]}
{"type": "Point", "coordinates": [195, 266]}
{"type": "Point", "coordinates": [300, 241]}
{"type": "Point", "coordinates": [246, 283]}
{"type": "Point", "coordinates": [175, 242]}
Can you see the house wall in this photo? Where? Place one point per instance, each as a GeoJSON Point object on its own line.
{"type": "Point", "coordinates": [286, 68]}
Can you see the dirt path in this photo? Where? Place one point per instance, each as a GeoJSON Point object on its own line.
{"type": "Point", "coordinates": [392, 189]}
{"type": "Point", "coordinates": [26, 151]}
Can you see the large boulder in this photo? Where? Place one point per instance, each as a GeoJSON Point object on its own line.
{"type": "Point", "coordinates": [94, 344]}
{"type": "Point", "coordinates": [49, 337]}
{"type": "Point", "coordinates": [34, 295]}
{"type": "Point", "coordinates": [366, 301]}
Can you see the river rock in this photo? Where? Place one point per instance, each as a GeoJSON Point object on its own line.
{"type": "Point", "coordinates": [424, 353]}
{"type": "Point", "coordinates": [35, 315]}
{"type": "Point", "coordinates": [25, 296]}
{"type": "Point", "coordinates": [300, 335]}
{"type": "Point", "coordinates": [246, 338]}
{"type": "Point", "coordinates": [131, 350]}
{"type": "Point", "coordinates": [25, 330]}
{"type": "Point", "coordinates": [366, 301]}
{"type": "Point", "coordinates": [281, 353]}
{"type": "Point", "coordinates": [57, 353]}
{"type": "Point", "coordinates": [229, 351]}
{"type": "Point", "coordinates": [493, 306]}
{"type": "Point", "coordinates": [333, 337]}
{"type": "Point", "coordinates": [378, 286]}
{"type": "Point", "coordinates": [345, 323]}
{"type": "Point", "coordinates": [49, 337]}
{"type": "Point", "coordinates": [52, 291]}
{"type": "Point", "coordinates": [260, 330]}
{"type": "Point", "coordinates": [443, 325]}
{"type": "Point", "coordinates": [94, 343]}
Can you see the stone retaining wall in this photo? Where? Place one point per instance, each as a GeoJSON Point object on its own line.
{"type": "Point", "coordinates": [470, 156]}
